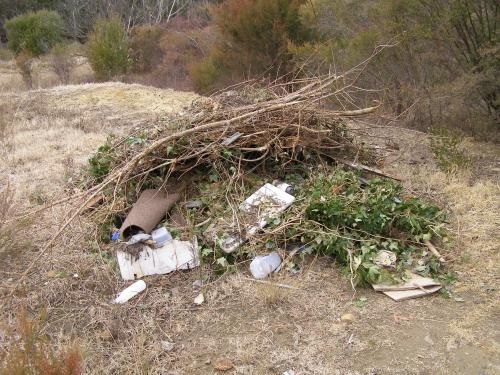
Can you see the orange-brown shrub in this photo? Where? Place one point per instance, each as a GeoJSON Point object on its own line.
{"type": "Point", "coordinates": [182, 41]}
{"type": "Point", "coordinates": [254, 39]}
{"type": "Point", "coordinates": [144, 51]}
{"type": "Point", "coordinates": [32, 354]}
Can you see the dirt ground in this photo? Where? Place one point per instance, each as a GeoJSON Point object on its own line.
{"type": "Point", "coordinates": [260, 328]}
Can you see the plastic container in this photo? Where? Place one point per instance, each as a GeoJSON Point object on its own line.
{"type": "Point", "coordinates": [160, 236]}
{"type": "Point", "coordinates": [263, 265]}
{"type": "Point", "coordinates": [130, 292]}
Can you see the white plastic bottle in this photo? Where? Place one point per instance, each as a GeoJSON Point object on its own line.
{"type": "Point", "coordinates": [263, 265]}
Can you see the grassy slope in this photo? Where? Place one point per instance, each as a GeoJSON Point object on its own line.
{"type": "Point", "coordinates": [262, 329]}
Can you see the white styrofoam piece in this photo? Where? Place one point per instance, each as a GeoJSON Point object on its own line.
{"type": "Point", "coordinates": [267, 202]}
{"type": "Point", "coordinates": [130, 292]}
{"type": "Point", "coordinates": [173, 255]}
{"type": "Point", "coordinates": [401, 295]}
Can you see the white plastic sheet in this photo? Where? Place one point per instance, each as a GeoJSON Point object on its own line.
{"type": "Point", "coordinates": [172, 256]}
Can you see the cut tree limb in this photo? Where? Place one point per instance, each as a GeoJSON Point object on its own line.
{"type": "Point", "coordinates": [434, 251]}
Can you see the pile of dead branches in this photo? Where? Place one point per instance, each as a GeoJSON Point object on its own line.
{"type": "Point", "coordinates": [233, 132]}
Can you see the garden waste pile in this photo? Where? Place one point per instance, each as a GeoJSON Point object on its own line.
{"type": "Point", "coordinates": [268, 174]}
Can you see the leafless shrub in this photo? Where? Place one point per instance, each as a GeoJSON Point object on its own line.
{"type": "Point", "coordinates": [24, 63]}
{"type": "Point", "coordinates": [61, 62]}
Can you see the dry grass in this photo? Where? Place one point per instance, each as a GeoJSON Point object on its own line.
{"type": "Point", "coordinates": [261, 328]}
{"type": "Point", "coordinates": [42, 74]}
{"type": "Point", "coordinates": [271, 295]}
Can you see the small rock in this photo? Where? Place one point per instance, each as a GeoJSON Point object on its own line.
{"type": "Point", "coordinates": [208, 361]}
{"type": "Point", "coordinates": [223, 364]}
{"type": "Point", "coordinates": [200, 298]}
{"type": "Point", "coordinates": [347, 317]}
{"type": "Point", "coordinates": [167, 345]}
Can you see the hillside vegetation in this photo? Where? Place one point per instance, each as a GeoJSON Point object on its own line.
{"type": "Point", "coordinates": [439, 71]}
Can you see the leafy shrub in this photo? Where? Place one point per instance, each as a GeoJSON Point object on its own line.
{"type": "Point", "coordinates": [144, 47]}
{"type": "Point", "coordinates": [107, 49]}
{"type": "Point", "coordinates": [206, 74]}
{"type": "Point", "coordinates": [184, 43]}
{"type": "Point", "coordinates": [35, 32]}
{"type": "Point", "coordinates": [445, 144]}
{"type": "Point", "coordinates": [354, 222]}
{"type": "Point", "coordinates": [100, 162]}
{"type": "Point", "coordinates": [32, 354]}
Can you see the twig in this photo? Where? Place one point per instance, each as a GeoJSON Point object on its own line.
{"type": "Point", "coordinates": [434, 251]}
{"type": "Point", "coordinates": [285, 286]}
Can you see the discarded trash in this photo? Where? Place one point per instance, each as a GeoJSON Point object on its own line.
{"type": "Point", "coordinates": [200, 298]}
{"type": "Point", "coordinates": [385, 258]}
{"type": "Point", "coordinates": [287, 188]}
{"type": "Point", "coordinates": [194, 204]}
{"type": "Point", "coordinates": [197, 284]}
{"type": "Point", "coordinates": [173, 255]}
{"type": "Point", "coordinates": [115, 235]}
{"type": "Point", "coordinates": [223, 364]}
{"type": "Point", "coordinates": [263, 265]}
{"type": "Point", "coordinates": [289, 372]}
{"type": "Point", "coordinates": [167, 345]}
{"type": "Point", "coordinates": [130, 292]}
{"type": "Point", "coordinates": [262, 205]}
{"type": "Point", "coordinates": [139, 237]}
{"type": "Point", "coordinates": [402, 295]}
{"type": "Point", "coordinates": [417, 286]}
{"type": "Point", "coordinates": [148, 211]}
{"type": "Point", "coordinates": [160, 236]}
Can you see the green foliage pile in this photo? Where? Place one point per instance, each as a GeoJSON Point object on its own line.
{"type": "Point", "coordinates": [445, 145]}
{"type": "Point", "coordinates": [353, 220]}
{"type": "Point", "coordinates": [100, 163]}
{"type": "Point", "coordinates": [107, 49]}
{"type": "Point", "coordinates": [336, 213]}
{"type": "Point", "coordinates": [35, 32]}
